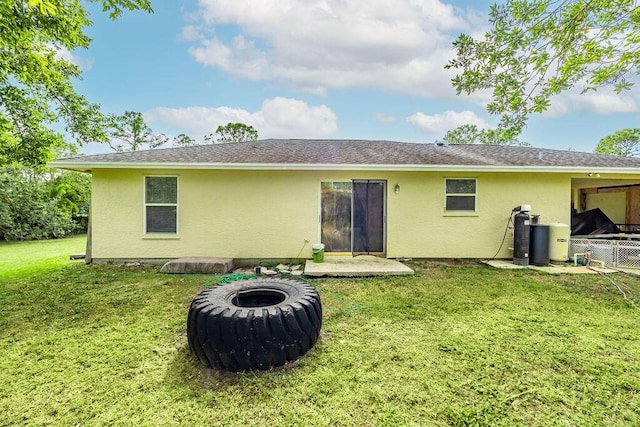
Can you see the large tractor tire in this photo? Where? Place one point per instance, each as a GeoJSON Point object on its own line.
{"type": "Point", "coordinates": [254, 324]}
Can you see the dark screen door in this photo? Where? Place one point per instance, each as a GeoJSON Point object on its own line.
{"type": "Point", "coordinates": [368, 220]}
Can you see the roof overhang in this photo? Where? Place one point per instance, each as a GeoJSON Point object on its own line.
{"type": "Point", "coordinates": [89, 167]}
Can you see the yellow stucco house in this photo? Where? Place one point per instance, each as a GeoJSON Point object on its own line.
{"type": "Point", "coordinates": [273, 199]}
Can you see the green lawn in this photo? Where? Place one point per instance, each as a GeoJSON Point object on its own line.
{"type": "Point", "coordinates": [22, 258]}
{"type": "Point", "coordinates": [470, 345]}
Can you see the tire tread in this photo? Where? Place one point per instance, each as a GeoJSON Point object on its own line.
{"type": "Point", "coordinates": [227, 337]}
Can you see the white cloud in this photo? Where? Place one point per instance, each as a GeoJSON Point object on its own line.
{"type": "Point", "coordinates": [278, 118]}
{"type": "Point", "coordinates": [602, 102]}
{"type": "Point", "coordinates": [438, 124]}
{"type": "Point", "coordinates": [63, 53]}
{"type": "Point", "coordinates": [191, 33]}
{"type": "Point", "coordinates": [241, 57]}
{"type": "Point", "coordinates": [606, 103]}
{"type": "Point", "coordinates": [317, 45]}
{"type": "Point", "coordinates": [384, 118]}
{"type": "Point", "coordinates": [320, 44]}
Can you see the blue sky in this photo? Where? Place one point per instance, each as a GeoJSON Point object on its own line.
{"type": "Point", "coordinates": [313, 69]}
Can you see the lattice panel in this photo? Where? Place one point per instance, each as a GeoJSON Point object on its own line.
{"type": "Point", "coordinates": [628, 254]}
{"type": "Point", "coordinates": [614, 253]}
{"type": "Point", "coordinates": [602, 250]}
{"type": "Point", "coordinates": [578, 246]}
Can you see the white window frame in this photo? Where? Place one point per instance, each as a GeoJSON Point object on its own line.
{"type": "Point", "coordinates": [447, 195]}
{"type": "Point", "coordinates": [145, 205]}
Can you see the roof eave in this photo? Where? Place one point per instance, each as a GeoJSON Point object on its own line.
{"type": "Point", "coordinates": [89, 167]}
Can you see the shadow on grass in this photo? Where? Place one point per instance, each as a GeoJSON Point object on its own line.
{"type": "Point", "coordinates": [185, 371]}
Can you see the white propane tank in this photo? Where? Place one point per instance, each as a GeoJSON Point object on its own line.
{"type": "Point", "coordinates": [559, 235]}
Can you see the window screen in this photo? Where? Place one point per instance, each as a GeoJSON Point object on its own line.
{"type": "Point", "coordinates": [161, 204]}
{"type": "Point", "coordinates": [460, 194]}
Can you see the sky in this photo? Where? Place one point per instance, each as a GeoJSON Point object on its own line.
{"type": "Point", "coordinates": [333, 69]}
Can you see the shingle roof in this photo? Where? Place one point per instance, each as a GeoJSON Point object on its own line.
{"type": "Point", "coordinates": [359, 153]}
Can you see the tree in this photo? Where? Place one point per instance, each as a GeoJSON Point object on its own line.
{"type": "Point", "coordinates": [470, 134]}
{"type": "Point", "coordinates": [536, 49]}
{"type": "Point", "coordinates": [183, 140]}
{"type": "Point", "coordinates": [72, 189]}
{"type": "Point", "coordinates": [465, 134]}
{"type": "Point", "coordinates": [234, 132]}
{"type": "Point", "coordinates": [625, 142]}
{"type": "Point", "coordinates": [40, 205]}
{"type": "Point", "coordinates": [129, 132]}
{"type": "Point", "coordinates": [36, 91]}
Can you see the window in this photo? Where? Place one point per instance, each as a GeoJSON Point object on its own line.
{"type": "Point", "coordinates": [460, 195]}
{"type": "Point", "coordinates": [161, 204]}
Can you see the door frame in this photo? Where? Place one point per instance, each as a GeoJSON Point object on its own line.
{"type": "Point", "coordinates": [383, 253]}
{"type": "Point", "coordinates": [384, 216]}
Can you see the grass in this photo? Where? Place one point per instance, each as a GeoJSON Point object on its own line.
{"type": "Point", "coordinates": [462, 346]}
{"type": "Point", "coordinates": [20, 258]}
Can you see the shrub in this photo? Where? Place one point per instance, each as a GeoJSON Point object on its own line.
{"type": "Point", "coordinates": [38, 205]}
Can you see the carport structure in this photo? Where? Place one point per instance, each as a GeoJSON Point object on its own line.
{"type": "Point", "coordinates": [619, 199]}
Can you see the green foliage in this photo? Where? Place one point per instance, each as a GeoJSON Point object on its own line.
{"type": "Point", "coordinates": [470, 134]}
{"type": "Point", "coordinates": [183, 140]}
{"type": "Point", "coordinates": [625, 142]}
{"type": "Point", "coordinates": [36, 90]}
{"type": "Point", "coordinates": [468, 345]}
{"type": "Point", "coordinates": [536, 49]}
{"type": "Point", "coordinates": [234, 132]}
{"type": "Point", "coordinates": [73, 191]}
{"type": "Point", "coordinates": [129, 132]}
{"type": "Point", "coordinates": [465, 134]}
{"type": "Point", "coordinates": [41, 206]}
{"type": "Point", "coordinates": [116, 7]}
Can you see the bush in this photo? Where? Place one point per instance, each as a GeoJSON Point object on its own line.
{"type": "Point", "coordinates": [73, 189]}
{"type": "Point", "coordinates": [37, 206]}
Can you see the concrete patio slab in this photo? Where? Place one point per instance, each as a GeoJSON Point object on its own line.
{"type": "Point", "coordinates": [551, 268]}
{"type": "Point", "coordinates": [359, 266]}
{"type": "Point", "coordinates": [630, 271]}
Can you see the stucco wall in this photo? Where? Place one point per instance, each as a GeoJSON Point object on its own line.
{"type": "Point", "coordinates": [613, 204]}
{"type": "Point", "coordinates": [419, 226]}
{"type": "Point", "coordinates": [270, 214]}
